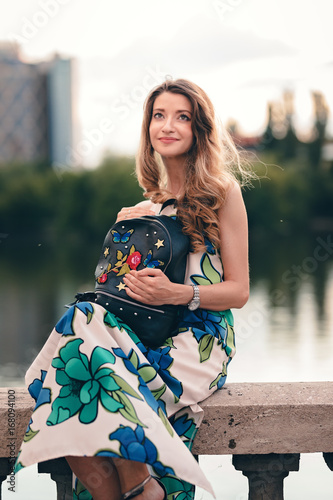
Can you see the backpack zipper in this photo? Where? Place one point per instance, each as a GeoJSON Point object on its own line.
{"type": "Point", "coordinates": [129, 302]}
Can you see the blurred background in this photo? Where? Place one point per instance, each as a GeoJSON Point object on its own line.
{"type": "Point", "coordinates": [73, 79]}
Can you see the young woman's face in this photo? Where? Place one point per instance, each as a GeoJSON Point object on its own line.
{"type": "Point", "coordinates": [170, 128]}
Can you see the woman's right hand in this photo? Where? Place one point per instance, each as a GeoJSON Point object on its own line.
{"type": "Point", "coordinates": [133, 212]}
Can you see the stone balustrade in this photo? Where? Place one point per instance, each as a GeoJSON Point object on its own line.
{"type": "Point", "coordinates": [265, 426]}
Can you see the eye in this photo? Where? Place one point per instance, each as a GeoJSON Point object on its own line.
{"type": "Point", "coordinates": [157, 115]}
{"type": "Point", "coordinates": [184, 117]}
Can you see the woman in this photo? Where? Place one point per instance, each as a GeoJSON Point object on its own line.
{"type": "Point", "coordinates": [101, 396]}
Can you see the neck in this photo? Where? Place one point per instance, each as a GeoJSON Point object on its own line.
{"type": "Point", "coordinates": [175, 169]}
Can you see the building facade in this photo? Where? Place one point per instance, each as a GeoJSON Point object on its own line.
{"type": "Point", "coordinates": [36, 122]}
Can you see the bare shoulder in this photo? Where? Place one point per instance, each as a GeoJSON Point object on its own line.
{"type": "Point", "coordinates": [233, 200]}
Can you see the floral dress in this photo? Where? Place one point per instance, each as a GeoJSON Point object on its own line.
{"type": "Point", "coordinates": [100, 392]}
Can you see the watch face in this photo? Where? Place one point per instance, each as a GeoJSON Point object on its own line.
{"type": "Point", "coordinates": [193, 305]}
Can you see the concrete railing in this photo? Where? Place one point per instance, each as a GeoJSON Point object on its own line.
{"type": "Point", "coordinates": [264, 426]}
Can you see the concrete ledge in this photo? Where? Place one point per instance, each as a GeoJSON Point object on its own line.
{"type": "Point", "coordinates": [247, 418]}
{"type": "Point", "coordinates": [256, 418]}
{"type": "Point", "coordinates": [22, 409]}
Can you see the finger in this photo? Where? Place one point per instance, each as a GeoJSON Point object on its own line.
{"type": "Point", "coordinates": [137, 297]}
{"type": "Point", "coordinates": [148, 271]}
{"type": "Point", "coordinates": [134, 283]}
{"type": "Point", "coordinates": [131, 212]}
{"type": "Point", "coordinates": [136, 291]}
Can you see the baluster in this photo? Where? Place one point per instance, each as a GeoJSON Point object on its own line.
{"type": "Point", "coordinates": [266, 473]}
{"type": "Point", "coordinates": [61, 473]}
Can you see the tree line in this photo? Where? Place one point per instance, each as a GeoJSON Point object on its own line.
{"type": "Point", "coordinates": [36, 201]}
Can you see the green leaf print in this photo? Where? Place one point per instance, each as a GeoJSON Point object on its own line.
{"type": "Point", "coordinates": [128, 410]}
{"type": "Point", "coordinates": [169, 342]}
{"type": "Point", "coordinates": [215, 382]}
{"type": "Point", "coordinates": [230, 340]}
{"type": "Point", "coordinates": [205, 347]}
{"type": "Point", "coordinates": [148, 373]}
{"type": "Point", "coordinates": [199, 280]}
{"type": "Point", "coordinates": [180, 330]}
{"type": "Point", "coordinates": [125, 387]}
{"type": "Point", "coordinates": [165, 421]}
{"type": "Point", "coordinates": [134, 359]}
{"type": "Point", "coordinates": [29, 435]}
{"type": "Point", "coordinates": [210, 274]}
{"type": "Point", "coordinates": [158, 393]}
{"type": "Point", "coordinates": [89, 316]}
{"type": "Point", "coordinates": [209, 270]}
{"type": "Point", "coordinates": [220, 375]}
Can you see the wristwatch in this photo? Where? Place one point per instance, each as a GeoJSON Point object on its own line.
{"type": "Point", "coordinates": [195, 302]}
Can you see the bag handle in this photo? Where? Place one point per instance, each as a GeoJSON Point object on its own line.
{"type": "Point", "coordinates": [172, 201]}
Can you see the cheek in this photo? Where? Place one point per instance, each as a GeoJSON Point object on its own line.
{"type": "Point", "coordinates": [190, 136]}
{"type": "Point", "coordinates": [152, 133]}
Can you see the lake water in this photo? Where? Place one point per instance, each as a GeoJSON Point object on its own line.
{"type": "Point", "coordinates": [284, 333]}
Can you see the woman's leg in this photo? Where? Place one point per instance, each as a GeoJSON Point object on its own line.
{"type": "Point", "coordinates": [131, 474]}
{"type": "Point", "coordinates": [107, 479]}
{"type": "Point", "coordinates": [97, 474]}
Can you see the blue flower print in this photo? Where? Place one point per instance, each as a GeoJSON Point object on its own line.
{"type": "Point", "coordinates": [185, 427]}
{"type": "Point", "coordinates": [209, 247]}
{"type": "Point", "coordinates": [40, 394]}
{"type": "Point", "coordinates": [134, 445]}
{"type": "Point", "coordinates": [65, 324]}
{"type": "Point", "coordinates": [219, 381]}
{"type": "Point", "coordinates": [202, 322]}
{"type": "Point", "coordinates": [143, 371]}
{"type": "Point", "coordinates": [162, 361]}
{"type": "Point", "coordinates": [206, 327]}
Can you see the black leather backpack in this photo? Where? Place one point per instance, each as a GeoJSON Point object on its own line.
{"type": "Point", "coordinates": [145, 242]}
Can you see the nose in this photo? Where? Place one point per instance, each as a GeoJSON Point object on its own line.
{"type": "Point", "coordinates": [168, 125]}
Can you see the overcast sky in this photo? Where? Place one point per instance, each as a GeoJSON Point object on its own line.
{"type": "Point", "coordinates": [243, 53]}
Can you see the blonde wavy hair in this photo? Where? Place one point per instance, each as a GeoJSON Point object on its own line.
{"type": "Point", "coordinates": [212, 165]}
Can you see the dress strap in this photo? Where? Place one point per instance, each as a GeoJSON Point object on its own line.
{"type": "Point", "coordinates": [167, 203]}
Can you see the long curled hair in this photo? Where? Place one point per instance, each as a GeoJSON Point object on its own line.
{"type": "Point", "coordinates": [211, 164]}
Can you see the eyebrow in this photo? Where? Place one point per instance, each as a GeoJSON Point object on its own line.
{"type": "Point", "coordinates": [178, 111]}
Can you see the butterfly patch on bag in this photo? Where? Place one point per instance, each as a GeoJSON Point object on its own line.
{"type": "Point", "coordinates": [121, 238]}
{"type": "Point", "coordinates": [150, 262]}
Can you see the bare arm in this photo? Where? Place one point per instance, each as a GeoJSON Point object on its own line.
{"type": "Point", "coordinates": [151, 286]}
{"type": "Point", "coordinates": [234, 290]}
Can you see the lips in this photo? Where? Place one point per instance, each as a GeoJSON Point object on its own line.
{"type": "Point", "coordinates": [168, 140]}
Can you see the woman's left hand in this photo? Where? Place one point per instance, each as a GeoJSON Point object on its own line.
{"type": "Point", "coordinates": [149, 286]}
